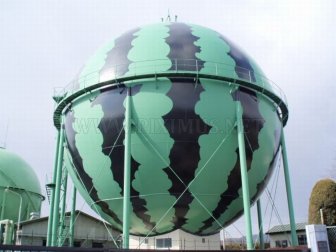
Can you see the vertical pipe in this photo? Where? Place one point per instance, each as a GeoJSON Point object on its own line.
{"type": "Point", "coordinates": [19, 218]}
{"type": "Point", "coordinates": [64, 184]}
{"type": "Point", "coordinates": [28, 212]}
{"type": "Point", "coordinates": [52, 195]}
{"type": "Point", "coordinates": [72, 218]}
{"type": "Point", "coordinates": [55, 213]}
{"type": "Point", "coordinates": [322, 216]}
{"type": "Point", "coordinates": [260, 224]}
{"type": "Point", "coordinates": [224, 242]}
{"type": "Point", "coordinates": [4, 198]}
{"type": "Point", "coordinates": [20, 208]}
{"type": "Point", "coordinates": [244, 177]}
{"type": "Point", "coordinates": [288, 190]}
{"type": "Point", "coordinates": [127, 170]}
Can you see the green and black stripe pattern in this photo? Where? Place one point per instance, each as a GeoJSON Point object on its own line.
{"type": "Point", "coordinates": [185, 169]}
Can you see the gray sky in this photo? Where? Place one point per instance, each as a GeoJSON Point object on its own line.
{"type": "Point", "coordinates": [43, 44]}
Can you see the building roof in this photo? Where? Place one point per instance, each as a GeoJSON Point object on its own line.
{"type": "Point", "coordinates": [78, 212]}
{"type": "Point", "coordinates": [286, 228]}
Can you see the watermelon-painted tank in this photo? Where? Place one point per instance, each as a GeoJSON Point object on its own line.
{"type": "Point", "coordinates": [184, 81]}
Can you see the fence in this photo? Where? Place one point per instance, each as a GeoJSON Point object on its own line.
{"type": "Point", "coordinates": [173, 66]}
{"type": "Point", "coordinates": [11, 248]}
{"type": "Point", "coordinates": [332, 237]}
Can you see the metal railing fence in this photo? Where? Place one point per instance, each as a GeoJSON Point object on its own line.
{"type": "Point", "coordinates": [332, 237]}
{"type": "Point", "coordinates": [171, 66]}
{"type": "Point", "coordinates": [12, 248]}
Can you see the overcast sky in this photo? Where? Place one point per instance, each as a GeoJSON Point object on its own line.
{"type": "Point", "coordinates": [43, 44]}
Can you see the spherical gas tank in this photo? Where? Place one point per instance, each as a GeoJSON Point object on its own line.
{"type": "Point", "coordinates": [19, 185]}
{"type": "Point", "coordinates": [184, 83]}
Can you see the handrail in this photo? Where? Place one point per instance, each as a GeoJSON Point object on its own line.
{"type": "Point", "coordinates": [23, 190]}
{"type": "Point", "coordinates": [171, 68]}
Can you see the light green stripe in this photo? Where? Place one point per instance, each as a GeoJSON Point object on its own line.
{"type": "Point", "coordinates": [216, 97]}
{"type": "Point", "coordinates": [97, 165]}
{"type": "Point", "coordinates": [262, 157]}
{"type": "Point", "coordinates": [149, 105]}
{"type": "Point", "coordinates": [217, 108]}
{"type": "Point", "coordinates": [260, 76]}
{"type": "Point", "coordinates": [214, 50]}
{"type": "Point", "coordinates": [90, 74]}
{"type": "Point", "coordinates": [82, 190]}
{"type": "Point", "coordinates": [149, 44]}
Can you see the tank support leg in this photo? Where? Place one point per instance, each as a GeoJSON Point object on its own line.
{"type": "Point", "coordinates": [4, 197]}
{"type": "Point", "coordinates": [72, 218]}
{"type": "Point", "coordinates": [55, 211]}
{"type": "Point", "coordinates": [127, 170]}
{"type": "Point", "coordinates": [52, 193]}
{"type": "Point", "coordinates": [64, 185]}
{"type": "Point", "coordinates": [288, 190]}
{"type": "Point", "coordinates": [260, 224]}
{"type": "Point", "coordinates": [244, 176]}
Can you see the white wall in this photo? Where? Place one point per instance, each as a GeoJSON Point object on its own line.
{"type": "Point", "coordinates": [87, 230]}
{"type": "Point", "coordinates": [282, 237]}
{"type": "Point", "coordinates": [317, 238]}
{"type": "Point", "coordinates": [33, 234]}
{"type": "Point", "coordinates": [179, 240]}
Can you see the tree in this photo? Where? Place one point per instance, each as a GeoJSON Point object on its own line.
{"type": "Point", "coordinates": [323, 196]}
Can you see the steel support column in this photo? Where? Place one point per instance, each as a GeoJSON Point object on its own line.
{"type": "Point", "coordinates": [55, 217]}
{"type": "Point", "coordinates": [52, 195]}
{"type": "Point", "coordinates": [4, 198]}
{"type": "Point", "coordinates": [64, 185]}
{"type": "Point", "coordinates": [288, 190]}
{"type": "Point", "coordinates": [127, 170]}
{"type": "Point", "coordinates": [260, 224]}
{"type": "Point", "coordinates": [72, 218]}
{"type": "Point", "coordinates": [244, 176]}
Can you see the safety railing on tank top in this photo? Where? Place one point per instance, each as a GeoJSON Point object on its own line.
{"type": "Point", "coordinates": [170, 66]}
{"type": "Point", "coordinates": [190, 67]}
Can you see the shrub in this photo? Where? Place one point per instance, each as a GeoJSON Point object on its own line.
{"type": "Point", "coordinates": [323, 196]}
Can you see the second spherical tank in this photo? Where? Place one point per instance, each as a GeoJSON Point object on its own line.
{"type": "Point", "coordinates": [19, 186]}
{"type": "Point", "coordinates": [184, 82]}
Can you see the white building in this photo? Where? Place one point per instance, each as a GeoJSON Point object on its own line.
{"type": "Point", "coordinates": [280, 235]}
{"type": "Point", "coordinates": [89, 232]}
{"type": "Point", "coordinates": [92, 233]}
{"type": "Point", "coordinates": [177, 240]}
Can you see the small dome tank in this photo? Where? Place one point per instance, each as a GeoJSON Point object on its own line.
{"type": "Point", "coordinates": [184, 81]}
{"type": "Point", "coordinates": [18, 185]}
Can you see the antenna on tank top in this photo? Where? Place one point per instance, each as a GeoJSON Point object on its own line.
{"type": "Point", "coordinates": [4, 143]}
{"type": "Point", "coordinates": [168, 18]}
